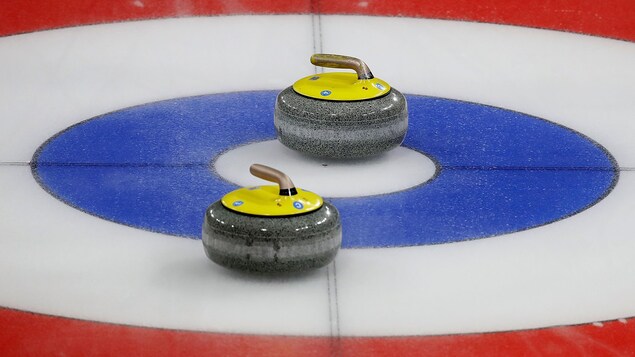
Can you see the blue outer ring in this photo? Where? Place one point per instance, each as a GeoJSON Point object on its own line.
{"type": "Point", "coordinates": [500, 171]}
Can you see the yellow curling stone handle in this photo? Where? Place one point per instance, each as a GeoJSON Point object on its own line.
{"type": "Point", "coordinates": [341, 86]}
{"type": "Point", "coordinates": [283, 199]}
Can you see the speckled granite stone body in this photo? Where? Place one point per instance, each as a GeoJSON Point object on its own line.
{"type": "Point", "coordinates": [336, 129]}
{"type": "Point", "coordinates": [272, 244]}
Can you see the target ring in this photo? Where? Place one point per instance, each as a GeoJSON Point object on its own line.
{"type": "Point", "coordinates": [500, 171]}
{"type": "Point", "coordinates": [567, 228]}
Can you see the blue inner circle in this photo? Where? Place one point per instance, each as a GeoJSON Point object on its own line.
{"type": "Point", "coordinates": [500, 171]}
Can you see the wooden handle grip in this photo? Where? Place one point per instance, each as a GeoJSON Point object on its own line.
{"type": "Point", "coordinates": [339, 61]}
{"type": "Point", "coordinates": [287, 188]}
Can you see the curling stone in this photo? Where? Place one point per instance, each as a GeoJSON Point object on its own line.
{"type": "Point", "coordinates": [272, 228]}
{"type": "Point", "coordinates": [341, 115]}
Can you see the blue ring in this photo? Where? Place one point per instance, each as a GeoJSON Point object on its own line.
{"type": "Point", "coordinates": [500, 171]}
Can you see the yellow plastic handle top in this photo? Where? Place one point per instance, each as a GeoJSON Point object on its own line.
{"type": "Point", "coordinates": [271, 200]}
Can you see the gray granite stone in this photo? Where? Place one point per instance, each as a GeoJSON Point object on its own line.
{"type": "Point", "coordinates": [272, 244]}
{"type": "Point", "coordinates": [341, 129]}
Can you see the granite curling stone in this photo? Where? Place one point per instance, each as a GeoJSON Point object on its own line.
{"type": "Point", "coordinates": [277, 228]}
{"type": "Point", "coordinates": [341, 115]}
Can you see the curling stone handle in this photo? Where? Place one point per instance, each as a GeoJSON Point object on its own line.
{"type": "Point", "coordinates": [287, 188]}
{"type": "Point", "coordinates": [339, 61]}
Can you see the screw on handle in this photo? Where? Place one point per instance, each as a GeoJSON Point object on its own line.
{"type": "Point", "coordinates": [270, 174]}
{"type": "Point", "coordinates": [339, 61]}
